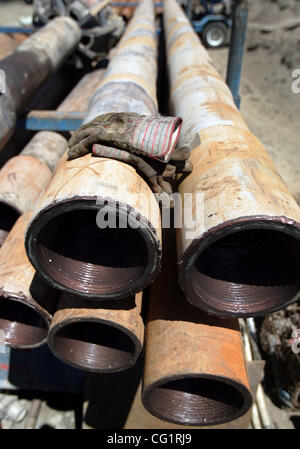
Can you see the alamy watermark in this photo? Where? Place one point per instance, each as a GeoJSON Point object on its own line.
{"type": "Point", "coordinates": [187, 210]}
{"type": "Point", "coordinates": [296, 83]}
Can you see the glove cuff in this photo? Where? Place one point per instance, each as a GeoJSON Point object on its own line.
{"type": "Point", "coordinates": [156, 137]}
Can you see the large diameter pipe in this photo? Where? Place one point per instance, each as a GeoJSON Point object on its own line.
{"type": "Point", "coordinates": [26, 302]}
{"type": "Point", "coordinates": [241, 255]}
{"type": "Point", "coordinates": [64, 242]}
{"type": "Point", "coordinates": [195, 372]}
{"type": "Point", "coordinates": [29, 66]}
{"type": "Point", "coordinates": [104, 339]}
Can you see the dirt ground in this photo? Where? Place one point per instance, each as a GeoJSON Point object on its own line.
{"type": "Point", "coordinates": [269, 106]}
{"type": "Point", "coordinates": [12, 10]}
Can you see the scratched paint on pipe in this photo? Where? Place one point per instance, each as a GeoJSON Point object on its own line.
{"type": "Point", "coordinates": [195, 371]}
{"type": "Point", "coordinates": [78, 184]}
{"type": "Point", "coordinates": [29, 66]}
{"type": "Point", "coordinates": [59, 36]}
{"type": "Point", "coordinates": [47, 147]}
{"type": "Point", "coordinates": [22, 179]}
{"type": "Point", "coordinates": [134, 65]}
{"type": "Point", "coordinates": [242, 194]}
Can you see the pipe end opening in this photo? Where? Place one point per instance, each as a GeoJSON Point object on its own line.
{"type": "Point", "coordinates": [197, 401]}
{"type": "Point", "coordinates": [22, 326]}
{"type": "Point", "coordinates": [93, 346]}
{"type": "Point", "coordinates": [246, 273]}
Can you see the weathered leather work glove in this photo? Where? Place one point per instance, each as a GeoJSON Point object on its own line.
{"type": "Point", "coordinates": [146, 143]}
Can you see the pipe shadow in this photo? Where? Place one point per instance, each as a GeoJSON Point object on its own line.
{"type": "Point", "coordinates": [110, 397]}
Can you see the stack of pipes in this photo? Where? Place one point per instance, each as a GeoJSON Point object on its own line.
{"type": "Point", "coordinates": [29, 66]}
{"type": "Point", "coordinates": [80, 284]}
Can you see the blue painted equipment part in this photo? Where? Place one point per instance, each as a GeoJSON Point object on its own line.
{"type": "Point", "coordinates": [23, 30]}
{"type": "Point", "coordinates": [199, 25]}
{"type": "Point", "coordinates": [237, 47]}
{"type": "Point", "coordinates": [51, 121]}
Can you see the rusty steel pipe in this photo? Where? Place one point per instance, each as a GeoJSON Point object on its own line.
{"type": "Point", "coordinates": [24, 177]}
{"type": "Point", "coordinates": [29, 66]}
{"type": "Point", "coordinates": [241, 256]}
{"type": "Point", "coordinates": [63, 241]}
{"type": "Point", "coordinates": [195, 372]}
{"type": "Point", "coordinates": [8, 42]}
{"type": "Point", "coordinates": [102, 339]}
{"type": "Point", "coordinates": [26, 302]}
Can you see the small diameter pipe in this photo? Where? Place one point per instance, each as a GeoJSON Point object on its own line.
{"type": "Point", "coordinates": [24, 177]}
{"type": "Point", "coordinates": [195, 372]}
{"type": "Point", "coordinates": [239, 245]}
{"type": "Point", "coordinates": [255, 417]}
{"type": "Point", "coordinates": [30, 64]}
{"type": "Point", "coordinates": [26, 302]}
{"type": "Point", "coordinates": [21, 320]}
{"type": "Point", "coordinates": [96, 231]}
{"type": "Point", "coordinates": [104, 338]}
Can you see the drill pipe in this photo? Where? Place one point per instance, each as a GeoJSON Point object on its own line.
{"type": "Point", "coordinates": [29, 66]}
{"type": "Point", "coordinates": [26, 302]}
{"type": "Point", "coordinates": [241, 255]}
{"type": "Point", "coordinates": [8, 42]}
{"type": "Point", "coordinates": [15, 301]}
{"type": "Point", "coordinates": [127, 11]}
{"type": "Point", "coordinates": [25, 176]}
{"type": "Point", "coordinates": [104, 339]}
{"type": "Point", "coordinates": [112, 262]}
{"type": "Point", "coordinates": [195, 372]}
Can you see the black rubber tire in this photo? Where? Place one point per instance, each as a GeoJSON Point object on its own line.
{"type": "Point", "coordinates": [222, 30]}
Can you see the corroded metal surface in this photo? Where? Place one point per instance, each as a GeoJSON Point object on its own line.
{"type": "Point", "coordinates": [71, 252]}
{"type": "Point", "coordinates": [195, 372]}
{"type": "Point", "coordinates": [129, 83]}
{"type": "Point", "coordinates": [46, 147]}
{"type": "Point", "coordinates": [8, 42]}
{"type": "Point", "coordinates": [127, 11]}
{"type": "Point", "coordinates": [29, 66]}
{"type": "Point", "coordinates": [26, 302]}
{"type": "Point", "coordinates": [22, 179]}
{"type": "Point", "coordinates": [79, 256]}
{"type": "Point", "coordinates": [241, 256]}
{"type": "Point", "coordinates": [103, 339]}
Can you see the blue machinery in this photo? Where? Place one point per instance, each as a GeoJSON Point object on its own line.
{"type": "Point", "coordinates": [63, 121]}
